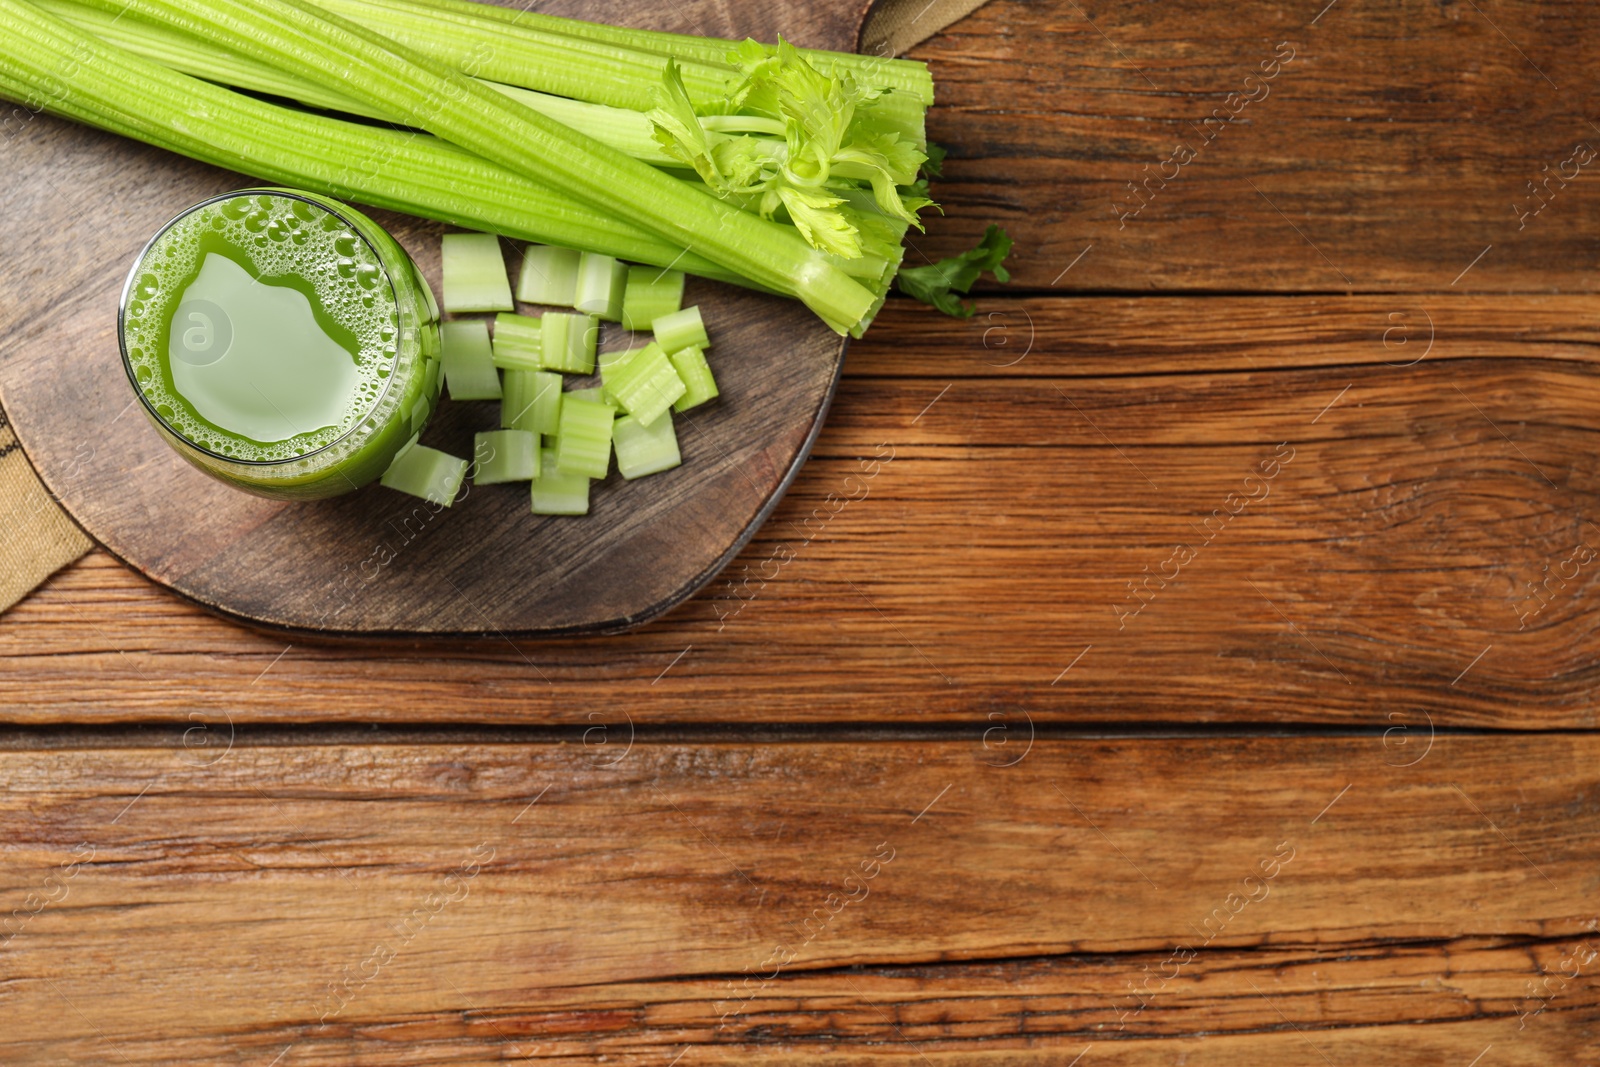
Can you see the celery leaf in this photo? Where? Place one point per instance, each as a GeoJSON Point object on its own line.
{"type": "Point", "coordinates": [937, 284]}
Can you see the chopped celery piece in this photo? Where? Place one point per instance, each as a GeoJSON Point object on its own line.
{"type": "Point", "coordinates": [650, 294]}
{"type": "Point", "coordinates": [549, 276]}
{"type": "Point", "coordinates": [601, 281]}
{"type": "Point", "coordinates": [583, 442]}
{"type": "Point", "coordinates": [699, 385]}
{"type": "Point", "coordinates": [555, 493]}
{"type": "Point", "coordinates": [569, 342]}
{"type": "Point", "coordinates": [468, 360]}
{"type": "Point", "coordinates": [475, 273]}
{"type": "Point", "coordinates": [505, 456]}
{"type": "Point", "coordinates": [430, 377]}
{"type": "Point", "coordinates": [646, 385]}
{"type": "Point", "coordinates": [596, 394]}
{"type": "Point", "coordinates": [426, 472]}
{"type": "Point", "coordinates": [645, 449]}
{"type": "Point", "coordinates": [517, 342]}
{"type": "Point", "coordinates": [532, 401]}
{"type": "Point", "coordinates": [420, 411]}
{"type": "Point", "coordinates": [681, 329]}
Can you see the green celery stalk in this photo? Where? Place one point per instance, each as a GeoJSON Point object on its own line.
{"type": "Point", "coordinates": [400, 171]}
{"type": "Point", "coordinates": [905, 75]}
{"type": "Point", "coordinates": [519, 54]}
{"type": "Point", "coordinates": [328, 50]}
{"type": "Point", "coordinates": [623, 129]}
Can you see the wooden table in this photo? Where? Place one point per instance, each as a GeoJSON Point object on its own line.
{"type": "Point", "coordinates": [1189, 659]}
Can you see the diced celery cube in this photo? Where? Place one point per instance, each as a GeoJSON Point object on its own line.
{"type": "Point", "coordinates": [699, 385]}
{"type": "Point", "coordinates": [583, 441]}
{"type": "Point", "coordinates": [681, 329]}
{"type": "Point", "coordinates": [555, 493]}
{"type": "Point", "coordinates": [475, 273]}
{"type": "Point", "coordinates": [468, 360]}
{"type": "Point", "coordinates": [601, 284]}
{"type": "Point", "coordinates": [642, 449]}
{"type": "Point", "coordinates": [646, 385]}
{"type": "Point", "coordinates": [420, 412]}
{"type": "Point", "coordinates": [568, 342]}
{"type": "Point", "coordinates": [650, 294]}
{"type": "Point", "coordinates": [595, 394]}
{"type": "Point", "coordinates": [517, 342]}
{"type": "Point", "coordinates": [532, 402]}
{"type": "Point", "coordinates": [505, 456]}
{"type": "Point", "coordinates": [430, 377]}
{"type": "Point", "coordinates": [426, 472]}
{"type": "Point", "coordinates": [549, 276]}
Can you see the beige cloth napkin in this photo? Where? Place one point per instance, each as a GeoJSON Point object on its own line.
{"type": "Point", "coordinates": [36, 537]}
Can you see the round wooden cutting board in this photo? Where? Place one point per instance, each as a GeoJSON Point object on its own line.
{"type": "Point", "coordinates": [79, 204]}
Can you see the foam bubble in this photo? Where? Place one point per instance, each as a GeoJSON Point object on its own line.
{"type": "Point", "coordinates": [278, 236]}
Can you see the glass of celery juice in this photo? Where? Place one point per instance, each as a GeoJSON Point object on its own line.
{"type": "Point", "coordinates": [281, 342]}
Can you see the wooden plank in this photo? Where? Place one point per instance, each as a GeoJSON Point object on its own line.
{"type": "Point", "coordinates": [1391, 151]}
{"type": "Point", "coordinates": [467, 903]}
{"type": "Point", "coordinates": [975, 511]}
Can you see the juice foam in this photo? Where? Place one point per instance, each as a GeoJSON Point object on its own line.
{"type": "Point", "coordinates": [297, 293]}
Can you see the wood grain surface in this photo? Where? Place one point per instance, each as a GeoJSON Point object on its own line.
{"type": "Point", "coordinates": [375, 561]}
{"type": "Point", "coordinates": [1383, 662]}
{"type": "Point", "coordinates": [1392, 150]}
{"type": "Point", "coordinates": [966, 529]}
{"type": "Point", "coordinates": [1269, 899]}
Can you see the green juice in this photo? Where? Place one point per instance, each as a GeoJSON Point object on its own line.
{"type": "Point", "coordinates": [281, 342]}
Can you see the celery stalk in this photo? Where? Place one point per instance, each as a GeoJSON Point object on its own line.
{"type": "Point", "coordinates": [549, 276]}
{"type": "Point", "coordinates": [468, 360]}
{"type": "Point", "coordinates": [681, 329]}
{"type": "Point", "coordinates": [517, 342]}
{"type": "Point", "coordinates": [623, 129]}
{"type": "Point", "coordinates": [649, 295]}
{"type": "Point", "coordinates": [324, 48]}
{"type": "Point", "coordinates": [505, 456]}
{"type": "Point", "coordinates": [642, 449]}
{"type": "Point", "coordinates": [426, 472]}
{"type": "Point", "coordinates": [695, 372]}
{"type": "Point", "coordinates": [555, 493]}
{"type": "Point", "coordinates": [645, 386]}
{"type": "Point", "coordinates": [418, 175]}
{"type": "Point", "coordinates": [583, 442]}
{"type": "Point", "coordinates": [475, 273]}
{"type": "Point", "coordinates": [903, 75]}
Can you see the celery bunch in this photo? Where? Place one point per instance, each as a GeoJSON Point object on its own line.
{"type": "Point", "coordinates": [597, 138]}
